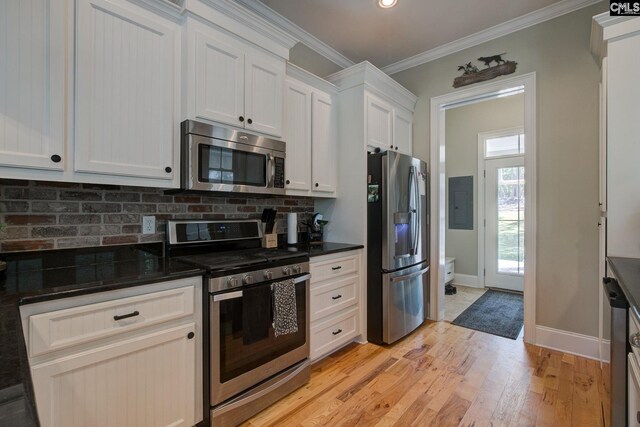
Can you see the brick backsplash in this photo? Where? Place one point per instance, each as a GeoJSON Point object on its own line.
{"type": "Point", "coordinates": [50, 215]}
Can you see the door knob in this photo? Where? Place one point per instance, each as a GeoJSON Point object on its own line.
{"type": "Point", "coordinates": [241, 118]}
{"type": "Point", "coordinates": [249, 121]}
{"type": "Point", "coordinates": [56, 158]}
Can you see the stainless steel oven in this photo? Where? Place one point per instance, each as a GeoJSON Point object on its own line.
{"type": "Point", "coordinates": [217, 158]}
{"type": "Point", "coordinates": [252, 368]}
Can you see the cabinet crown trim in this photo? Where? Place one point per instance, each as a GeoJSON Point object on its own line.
{"type": "Point", "coordinates": [368, 75]}
{"type": "Point", "coordinates": [311, 79]}
{"type": "Point", "coordinates": [246, 18]}
{"type": "Point", "coordinates": [606, 28]}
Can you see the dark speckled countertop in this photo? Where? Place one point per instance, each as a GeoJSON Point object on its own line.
{"type": "Point", "coordinates": [325, 248]}
{"type": "Point", "coordinates": [45, 275]}
{"type": "Point", "coordinates": [627, 271]}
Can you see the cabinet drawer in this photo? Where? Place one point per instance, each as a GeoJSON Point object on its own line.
{"type": "Point", "coordinates": [333, 333]}
{"type": "Point", "coordinates": [337, 267]}
{"type": "Point", "coordinates": [64, 328]}
{"type": "Point", "coordinates": [333, 296]}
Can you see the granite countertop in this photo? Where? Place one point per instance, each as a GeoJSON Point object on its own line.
{"type": "Point", "coordinates": [627, 271]}
{"type": "Point", "coordinates": [46, 275]}
{"type": "Point", "coordinates": [325, 248]}
{"type": "Point", "coordinates": [33, 277]}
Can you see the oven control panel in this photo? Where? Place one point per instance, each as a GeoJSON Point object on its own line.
{"type": "Point", "coordinates": [231, 281]}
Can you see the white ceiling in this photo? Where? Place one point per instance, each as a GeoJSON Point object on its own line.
{"type": "Point", "coordinates": [360, 30]}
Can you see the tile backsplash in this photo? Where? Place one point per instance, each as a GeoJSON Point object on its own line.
{"type": "Point", "coordinates": [51, 215]}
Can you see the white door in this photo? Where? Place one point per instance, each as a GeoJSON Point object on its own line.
{"type": "Point", "coordinates": [402, 131]}
{"type": "Point", "coordinates": [298, 136]}
{"type": "Point", "coordinates": [379, 116]}
{"type": "Point", "coordinates": [263, 94]}
{"type": "Point", "coordinates": [219, 79]}
{"type": "Point", "coordinates": [324, 145]}
{"type": "Point", "coordinates": [33, 82]}
{"type": "Point", "coordinates": [144, 381]}
{"type": "Point", "coordinates": [126, 90]}
{"type": "Point", "coordinates": [504, 229]}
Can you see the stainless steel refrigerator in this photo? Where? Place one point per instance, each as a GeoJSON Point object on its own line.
{"type": "Point", "coordinates": [397, 246]}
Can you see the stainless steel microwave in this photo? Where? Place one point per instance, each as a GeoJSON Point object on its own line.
{"type": "Point", "coordinates": [217, 158]}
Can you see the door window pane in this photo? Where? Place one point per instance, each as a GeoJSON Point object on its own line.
{"type": "Point", "coordinates": [504, 146]}
{"type": "Point", "coordinates": [510, 192]}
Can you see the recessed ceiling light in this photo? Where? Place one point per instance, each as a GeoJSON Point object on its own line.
{"type": "Point", "coordinates": [387, 3]}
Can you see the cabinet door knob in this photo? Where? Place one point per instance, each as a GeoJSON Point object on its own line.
{"type": "Point", "coordinates": [56, 158]}
{"type": "Point", "coordinates": [288, 182]}
{"type": "Point", "coordinates": [249, 121]}
{"type": "Point", "coordinates": [241, 118]}
{"type": "Point", "coordinates": [168, 169]}
{"type": "Point", "coordinates": [190, 335]}
{"type": "Point", "coordinates": [317, 185]}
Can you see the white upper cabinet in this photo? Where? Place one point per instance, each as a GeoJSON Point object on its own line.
{"type": "Point", "coordinates": [324, 144]}
{"type": "Point", "coordinates": [33, 82]}
{"type": "Point", "coordinates": [233, 83]}
{"type": "Point", "coordinates": [219, 80]}
{"type": "Point", "coordinates": [94, 90]}
{"type": "Point", "coordinates": [310, 123]}
{"type": "Point", "coordinates": [127, 90]}
{"type": "Point", "coordinates": [402, 130]}
{"type": "Point", "coordinates": [297, 135]}
{"type": "Point", "coordinates": [263, 94]}
{"type": "Point", "coordinates": [379, 123]}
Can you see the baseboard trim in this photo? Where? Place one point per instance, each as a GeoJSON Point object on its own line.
{"type": "Point", "coordinates": [571, 343]}
{"type": "Point", "coordinates": [466, 280]}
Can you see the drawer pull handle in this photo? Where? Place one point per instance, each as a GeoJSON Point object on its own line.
{"type": "Point", "coordinates": [336, 268]}
{"type": "Point", "coordinates": [126, 316]}
{"type": "Point", "coordinates": [337, 297]}
{"type": "Point", "coordinates": [339, 331]}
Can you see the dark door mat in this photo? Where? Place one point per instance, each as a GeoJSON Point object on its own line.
{"type": "Point", "coordinates": [495, 312]}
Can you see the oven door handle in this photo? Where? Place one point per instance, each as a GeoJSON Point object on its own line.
{"type": "Point", "coordinates": [229, 295]}
{"type": "Point", "coordinates": [238, 294]}
{"type": "Point", "coordinates": [302, 278]}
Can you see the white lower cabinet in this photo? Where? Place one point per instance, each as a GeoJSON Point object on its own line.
{"type": "Point", "coordinates": [336, 286]}
{"type": "Point", "coordinates": [130, 357]}
{"type": "Point", "coordinates": [144, 381]}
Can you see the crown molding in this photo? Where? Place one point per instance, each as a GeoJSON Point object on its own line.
{"type": "Point", "coordinates": [606, 28]}
{"type": "Point", "coordinates": [296, 32]}
{"type": "Point", "coordinates": [246, 17]}
{"type": "Point", "coordinates": [172, 10]}
{"type": "Point", "coordinates": [525, 21]}
{"type": "Point", "coordinates": [373, 79]}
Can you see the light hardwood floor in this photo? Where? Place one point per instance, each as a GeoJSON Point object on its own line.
{"type": "Point", "coordinates": [445, 375]}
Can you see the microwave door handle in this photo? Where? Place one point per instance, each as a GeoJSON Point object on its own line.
{"type": "Point", "coordinates": [271, 172]}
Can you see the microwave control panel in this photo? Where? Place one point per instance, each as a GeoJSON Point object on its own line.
{"type": "Point", "coordinates": [278, 178]}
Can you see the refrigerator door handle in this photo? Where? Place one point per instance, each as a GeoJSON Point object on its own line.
{"type": "Point", "coordinates": [414, 211]}
{"type": "Point", "coordinates": [409, 276]}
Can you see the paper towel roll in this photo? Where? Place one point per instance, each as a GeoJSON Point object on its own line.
{"type": "Point", "coordinates": [292, 228]}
